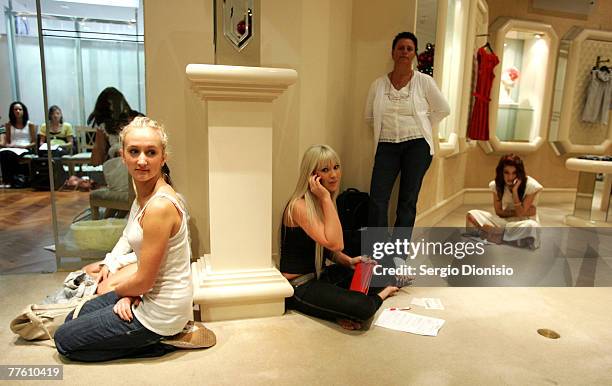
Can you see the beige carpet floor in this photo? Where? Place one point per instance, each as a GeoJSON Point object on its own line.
{"type": "Point", "coordinates": [489, 338]}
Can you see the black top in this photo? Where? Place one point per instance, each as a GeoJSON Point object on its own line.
{"type": "Point", "coordinates": [297, 251]}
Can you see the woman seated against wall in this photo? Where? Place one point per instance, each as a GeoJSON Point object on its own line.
{"type": "Point", "coordinates": [155, 301]}
{"type": "Point", "coordinates": [18, 139]}
{"type": "Point", "coordinates": [515, 197]}
{"type": "Point", "coordinates": [310, 224]}
{"type": "Point", "coordinates": [61, 132]}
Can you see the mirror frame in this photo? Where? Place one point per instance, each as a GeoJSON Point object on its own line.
{"type": "Point", "coordinates": [559, 137]}
{"type": "Point", "coordinates": [499, 29]}
{"type": "Point", "coordinates": [455, 142]}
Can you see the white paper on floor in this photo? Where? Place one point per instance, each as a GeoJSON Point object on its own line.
{"type": "Point", "coordinates": [428, 303]}
{"type": "Point", "coordinates": [409, 322]}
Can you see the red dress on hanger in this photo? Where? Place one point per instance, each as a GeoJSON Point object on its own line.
{"type": "Point", "coordinates": [478, 128]}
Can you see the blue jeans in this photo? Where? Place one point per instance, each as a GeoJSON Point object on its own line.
{"type": "Point", "coordinates": [410, 159]}
{"type": "Point", "coordinates": [98, 334]}
{"type": "Point", "coordinates": [329, 297]}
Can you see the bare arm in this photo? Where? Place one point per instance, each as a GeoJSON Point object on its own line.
{"type": "Point", "coordinates": [32, 128]}
{"type": "Point", "coordinates": [327, 232]}
{"type": "Point", "coordinates": [343, 259]}
{"type": "Point", "coordinates": [524, 208]}
{"type": "Point", "coordinates": [159, 222]}
{"type": "Point", "coordinates": [98, 153]}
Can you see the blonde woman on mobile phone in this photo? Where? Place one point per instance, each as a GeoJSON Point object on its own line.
{"type": "Point", "coordinates": [311, 226]}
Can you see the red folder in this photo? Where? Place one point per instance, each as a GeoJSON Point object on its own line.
{"type": "Point", "coordinates": [362, 277]}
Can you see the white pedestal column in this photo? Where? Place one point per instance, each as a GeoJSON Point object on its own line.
{"type": "Point", "coordinates": [238, 279]}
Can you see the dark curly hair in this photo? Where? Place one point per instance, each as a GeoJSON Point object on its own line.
{"type": "Point", "coordinates": [510, 160]}
{"type": "Point", "coordinates": [405, 35]}
{"type": "Point", "coordinates": [113, 110]}
{"type": "Point", "coordinates": [13, 118]}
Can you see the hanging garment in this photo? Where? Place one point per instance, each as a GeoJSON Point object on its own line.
{"type": "Point", "coordinates": [598, 98]}
{"type": "Point", "coordinates": [478, 128]}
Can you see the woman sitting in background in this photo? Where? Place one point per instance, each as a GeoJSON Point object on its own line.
{"type": "Point", "coordinates": [61, 132]}
{"type": "Point", "coordinates": [515, 197]}
{"type": "Point", "coordinates": [19, 138]}
{"type": "Point", "coordinates": [310, 224]}
{"type": "Point", "coordinates": [111, 113]}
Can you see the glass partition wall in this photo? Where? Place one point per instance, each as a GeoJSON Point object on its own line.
{"type": "Point", "coordinates": [88, 46]}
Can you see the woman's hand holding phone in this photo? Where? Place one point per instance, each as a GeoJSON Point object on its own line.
{"type": "Point", "coordinates": [314, 183]}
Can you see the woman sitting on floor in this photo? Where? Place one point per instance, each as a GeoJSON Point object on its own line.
{"type": "Point", "coordinates": [156, 300]}
{"type": "Point", "coordinates": [515, 196]}
{"type": "Point", "coordinates": [310, 224]}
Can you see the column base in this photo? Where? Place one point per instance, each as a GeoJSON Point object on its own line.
{"type": "Point", "coordinates": [238, 294]}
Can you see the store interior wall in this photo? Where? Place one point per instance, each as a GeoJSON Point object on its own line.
{"type": "Point", "coordinates": [175, 37]}
{"type": "Point", "coordinates": [373, 29]}
{"type": "Point", "coordinates": [338, 49]}
{"type": "Point", "coordinates": [548, 168]}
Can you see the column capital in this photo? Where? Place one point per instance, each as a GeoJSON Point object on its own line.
{"type": "Point", "coordinates": [219, 82]}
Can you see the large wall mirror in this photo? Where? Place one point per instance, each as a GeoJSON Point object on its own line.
{"type": "Point", "coordinates": [456, 27]}
{"type": "Point", "coordinates": [580, 121]}
{"type": "Point", "coordinates": [522, 88]}
{"type": "Point", "coordinates": [441, 27]}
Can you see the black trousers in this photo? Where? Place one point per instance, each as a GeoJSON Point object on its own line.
{"type": "Point", "coordinates": [329, 297]}
{"type": "Point", "coordinates": [9, 162]}
{"type": "Point", "coordinates": [409, 159]}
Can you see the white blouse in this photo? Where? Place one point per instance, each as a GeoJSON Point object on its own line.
{"type": "Point", "coordinates": [398, 123]}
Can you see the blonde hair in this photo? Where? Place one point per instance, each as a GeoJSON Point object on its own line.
{"type": "Point", "coordinates": [315, 157]}
{"type": "Point", "coordinates": [145, 122]}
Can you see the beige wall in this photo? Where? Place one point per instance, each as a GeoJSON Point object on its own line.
{"type": "Point", "coordinates": [544, 165]}
{"type": "Point", "coordinates": [312, 37]}
{"type": "Point", "coordinates": [338, 48]}
{"type": "Point", "coordinates": [174, 37]}
{"type": "Point", "coordinates": [373, 30]}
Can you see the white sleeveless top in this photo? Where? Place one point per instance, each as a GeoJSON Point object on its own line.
{"type": "Point", "coordinates": [167, 307]}
{"type": "Point", "coordinates": [21, 137]}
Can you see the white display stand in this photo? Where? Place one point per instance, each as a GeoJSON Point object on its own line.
{"type": "Point", "coordinates": [237, 279]}
{"type": "Point", "coordinates": [589, 166]}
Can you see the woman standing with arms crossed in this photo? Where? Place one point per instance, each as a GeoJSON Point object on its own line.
{"type": "Point", "coordinates": [156, 301]}
{"type": "Point", "coordinates": [402, 107]}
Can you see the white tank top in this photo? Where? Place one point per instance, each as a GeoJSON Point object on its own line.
{"type": "Point", "coordinates": [21, 137]}
{"type": "Point", "coordinates": [168, 306]}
